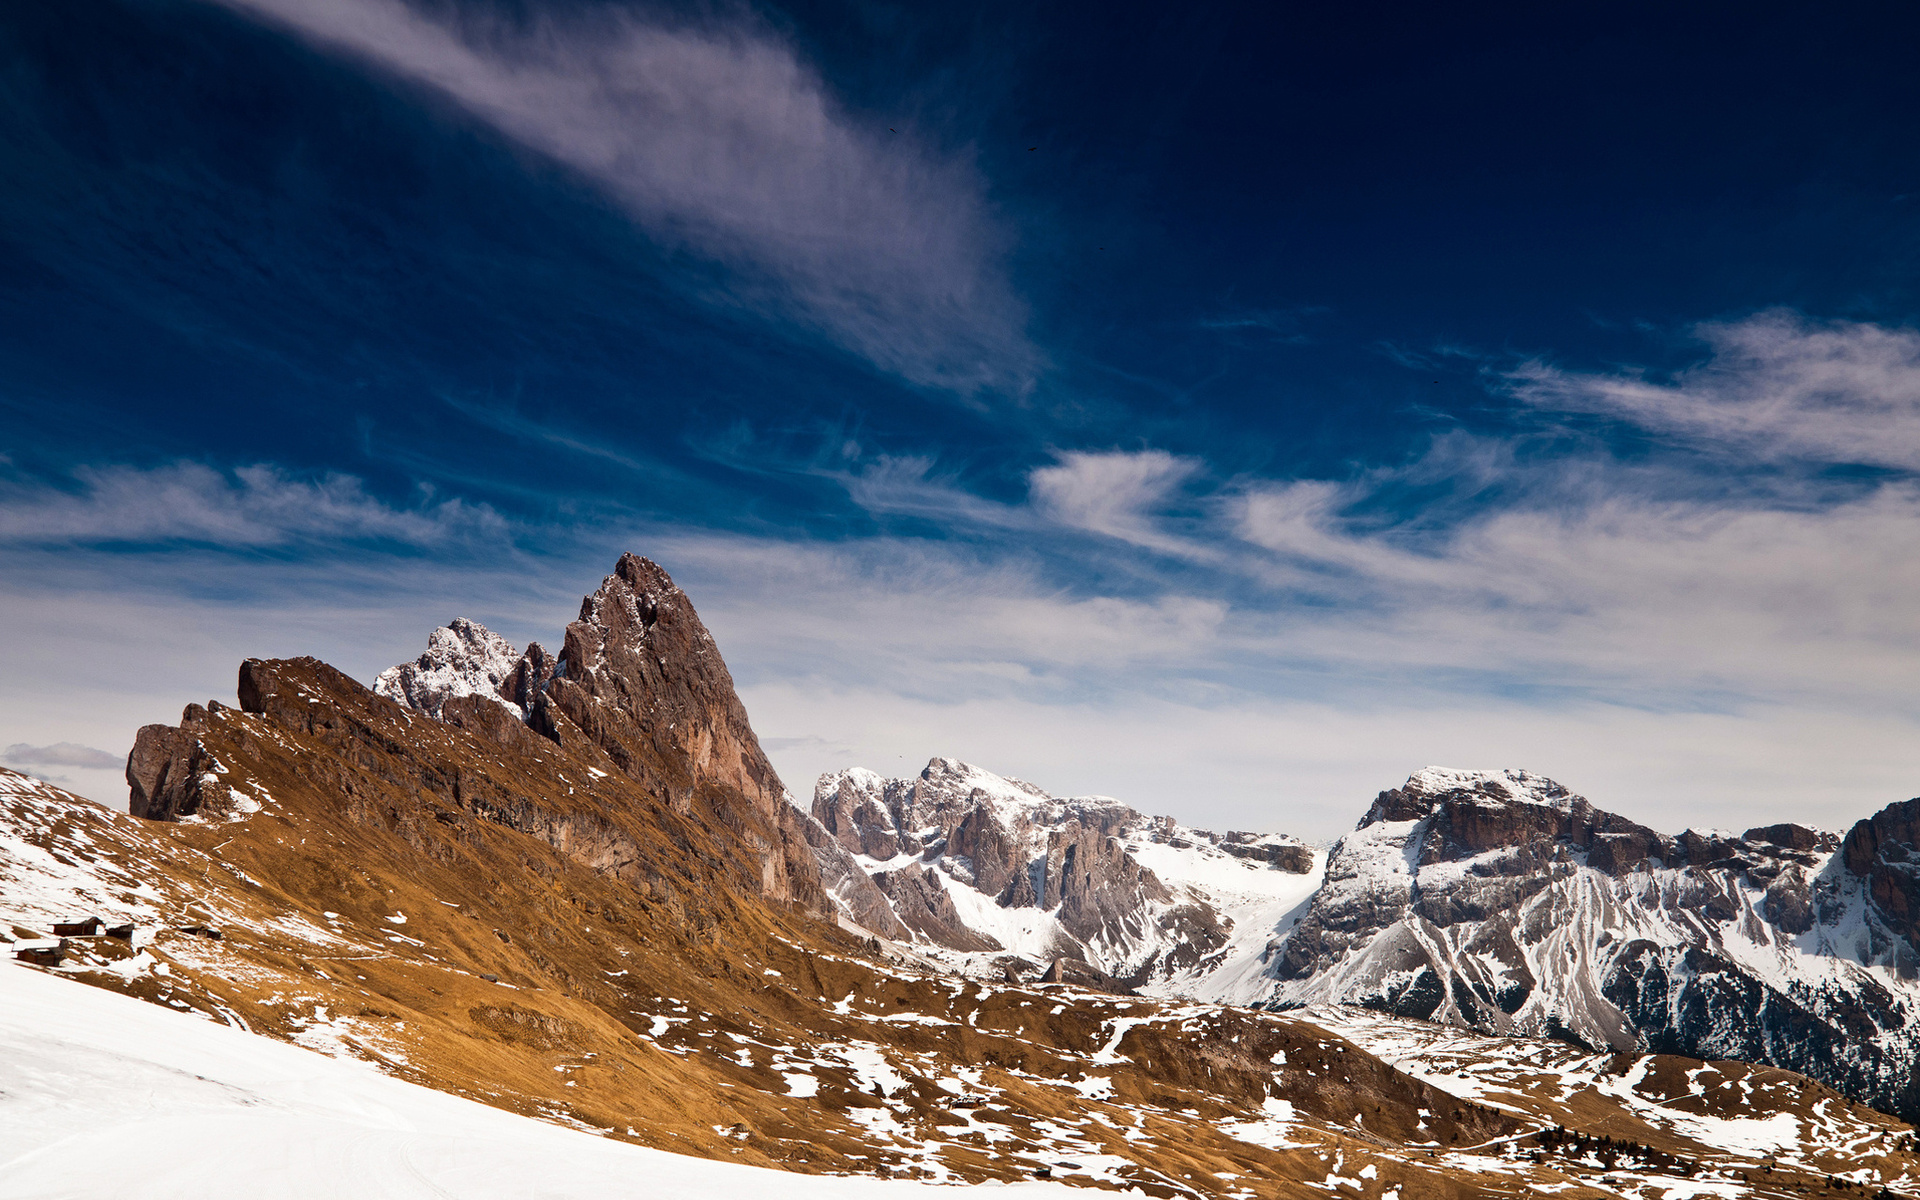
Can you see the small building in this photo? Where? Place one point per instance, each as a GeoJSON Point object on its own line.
{"type": "Point", "coordinates": [78, 927]}
{"type": "Point", "coordinates": [39, 953]}
{"type": "Point", "coordinates": [122, 933]}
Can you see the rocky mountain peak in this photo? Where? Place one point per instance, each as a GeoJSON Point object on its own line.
{"type": "Point", "coordinates": [639, 686]}
{"type": "Point", "coordinates": [464, 658]}
{"type": "Point", "coordinates": [981, 864]}
{"type": "Point", "coordinates": [951, 777]}
{"type": "Point", "coordinates": [640, 674]}
{"type": "Point", "coordinates": [1432, 789]}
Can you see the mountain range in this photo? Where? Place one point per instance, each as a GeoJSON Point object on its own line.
{"type": "Point", "coordinates": [572, 886]}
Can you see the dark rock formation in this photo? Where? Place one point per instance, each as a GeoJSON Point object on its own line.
{"type": "Point", "coordinates": [1284, 854]}
{"type": "Point", "coordinates": [1081, 973]}
{"type": "Point", "coordinates": [641, 678]}
{"type": "Point", "coordinates": [1884, 850]}
{"type": "Point", "coordinates": [164, 770]}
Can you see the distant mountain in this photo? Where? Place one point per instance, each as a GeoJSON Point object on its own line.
{"type": "Point", "coordinates": [1495, 900]}
{"type": "Point", "coordinates": [994, 876]}
{"type": "Point", "coordinates": [1502, 901]}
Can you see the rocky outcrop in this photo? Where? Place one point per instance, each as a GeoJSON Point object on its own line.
{"type": "Point", "coordinates": [1884, 850]}
{"type": "Point", "coordinates": [166, 768]}
{"type": "Point", "coordinates": [1282, 853]}
{"type": "Point", "coordinates": [1084, 975]}
{"type": "Point", "coordinates": [642, 679]}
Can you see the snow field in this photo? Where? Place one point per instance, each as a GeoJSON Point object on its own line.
{"type": "Point", "coordinates": [108, 1097]}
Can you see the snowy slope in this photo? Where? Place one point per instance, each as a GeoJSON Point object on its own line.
{"type": "Point", "coordinates": [106, 1096]}
{"type": "Point", "coordinates": [1257, 903]}
{"type": "Point", "coordinates": [1736, 1110]}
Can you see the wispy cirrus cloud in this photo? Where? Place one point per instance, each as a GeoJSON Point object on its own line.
{"type": "Point", "coordinates": [254, 506]}
{"type": "Point", "coordinates": [1120, 494]}
{"type": "Point", "coordinates": [1776, 386]}
{"type": "Point", "coordinates": [719, 137]}
{"type": "Point", "coordinates": [1284, 325]}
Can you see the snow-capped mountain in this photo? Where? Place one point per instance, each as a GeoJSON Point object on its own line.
{"type": "Point", "coordinates": [1495, 900]}
{"type": "Point", "coordinates": [462, 658]}
{"type": "Point", "coordinates": [1501, 901]}
{"type": "Point", "coordinates": [992, 873]}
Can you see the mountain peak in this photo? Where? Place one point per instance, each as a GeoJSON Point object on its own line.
{"type": "Point", "coordinates": [952, 775]}
{"type": "Point", "coordinates": [1431, 788]}
{"type": "Point", "coordinates": [463, 658]}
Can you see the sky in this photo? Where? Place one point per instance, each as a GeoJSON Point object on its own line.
{"type": "Point", "coordinates": [1230, 409]}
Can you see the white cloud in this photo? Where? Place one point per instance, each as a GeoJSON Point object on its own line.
{"type": "Point", "coordinates": [721, 139]}
{"type": "Point", "coordinates": [1777, 386]}
{"type": "Point", "coordinates": [1649, 601]}
{"type": "Point", "coordinates": [933, 618]}
{"type": "Point", "coordinates": [1116, 493]}
{"type": "Point", "coordinates": [255, 506]}
{"type": "Point", "coordinates": [61, 754]}
{"type": "Point", "coordinates": [908, 486]}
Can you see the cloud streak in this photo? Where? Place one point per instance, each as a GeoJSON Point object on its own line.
{"type": "Point", "coordinates": [1776, 387]}
{"type": "Point", "coordinates": [62, 754]}
{"type": "Point", "coordinates": [721, 139]}
{"type": "Point", "coordinates": [255, 506]}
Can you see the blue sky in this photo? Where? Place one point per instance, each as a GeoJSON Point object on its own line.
{"type": "Point", "coordinates": [1229, 410]}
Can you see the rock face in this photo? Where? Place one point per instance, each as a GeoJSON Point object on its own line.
{"type": "Point", "coordinates": [1501, 901]}
{"type": "Point", "coordinates": [164, 770]}
{"type": "Point", "coordinates": [640, 677]}
{"type": "Point", "coordinates": [979, 864]}
{"type": "Point", "coordinates": [1882, 851]}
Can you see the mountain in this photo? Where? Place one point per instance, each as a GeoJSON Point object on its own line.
{"type": "Point", "coordinates": [1496, 900]}
{"type": "Point", "coordinates": [994, 877]}
{"type": "Point", "coordinates": [572, 887]}
{"type": "Point", "coordinates": [1501, 901]}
